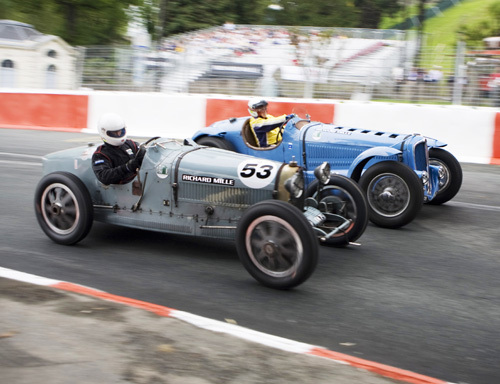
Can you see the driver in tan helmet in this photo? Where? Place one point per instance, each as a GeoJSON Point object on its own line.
{"type": "Point", "coordinates": [264, 126]}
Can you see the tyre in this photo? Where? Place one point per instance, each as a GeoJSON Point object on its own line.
{"type": "Point", "coordinates": [63, 208]}
{"type": "Point", "coordinates": [276, 244]}
{"type": "Point", "coordinates": [450, 179]}
{"type": "Point", "coordinates": [341, 199]}
{"type": "Point", "coordinates": [216, 142]}
{"type": "Point", "coordinates": [394, 194]}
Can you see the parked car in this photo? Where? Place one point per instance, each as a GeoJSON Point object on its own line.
{"type": "Point", "coordinates": [184, 188]}
{"type": "Point", "coordinates": [397, 172]}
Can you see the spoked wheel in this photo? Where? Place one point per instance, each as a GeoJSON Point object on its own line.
{"type": "Point", "coordinates": [450, 175]}
{"type": "Point", "coordinates": [344, 205]}
{"type": "Point", "coordinates": [276, 244]}
{"type": "Point", "coordinates": [394, 194]}
{"type": "Point", "coordinates": [63, 208]}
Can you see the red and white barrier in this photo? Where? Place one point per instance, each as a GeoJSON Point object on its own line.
{"type": "Point", "coordinates": [43, 110]}
{"type": "Point", "coordinates": [472, 133]}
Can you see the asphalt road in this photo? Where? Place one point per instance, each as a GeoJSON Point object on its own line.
{"type": "Point", "coordinates": [425, 298]}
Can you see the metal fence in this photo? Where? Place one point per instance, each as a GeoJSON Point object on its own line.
{"type": "Point", "coordinates": [433, 11]}
{"type": "Point", "coordinates": [325, 63]}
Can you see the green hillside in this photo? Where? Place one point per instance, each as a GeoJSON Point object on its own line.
{"type": "Point", "coordinates": [443, 29]}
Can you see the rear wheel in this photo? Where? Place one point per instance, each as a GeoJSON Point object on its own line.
{"type": "Point", "coordinates": [450, 175]}
{"type": "Point", "coordinates": [394, 194]}
{"type": "Point", "coordinates": [63, 208]}
{"type": "Point", "coordinates": [276, 244]}
{"type": "Point", "coordinates": [342, 199]}
{"type": "Point", "coordinates": [215, 142]}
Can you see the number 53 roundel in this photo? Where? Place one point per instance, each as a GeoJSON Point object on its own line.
{"type": "Point", "coordinates": [256, 173]}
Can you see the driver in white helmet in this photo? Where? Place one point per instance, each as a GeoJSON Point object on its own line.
{"type": "Point", "coordinates": [264, 126]}
{"type": "Point", "coordinates": [118, 159]}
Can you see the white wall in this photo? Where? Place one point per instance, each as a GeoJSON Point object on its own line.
{"type": "Point", "coordinates": [467, 130]}
{"type": "Point", "coordinates": [150, 114]}
{"type": "Point", "coordinates": [472, 133]}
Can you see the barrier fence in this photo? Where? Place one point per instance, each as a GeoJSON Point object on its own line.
{"type": "Point", "coordinates": [346, 69]}
{"type": "Point", "coordinates": [335, 63]}
{"type": "Point", "coordinates": [472, 133]}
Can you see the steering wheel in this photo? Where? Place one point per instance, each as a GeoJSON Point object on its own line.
{"type": "Point", "coordinates": [279, 136]}
{"type": "Point", "coordinates": [149, 141]}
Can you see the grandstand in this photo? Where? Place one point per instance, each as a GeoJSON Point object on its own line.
{"type": "Point", "coordinates": [298, 62]}
{"type": "Point", "coordinates": [294, 61]}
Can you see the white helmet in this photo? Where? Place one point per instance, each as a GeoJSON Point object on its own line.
{"type": "Point", "coordinates": [112, 129]}
{"type": "Point", "coordinates": [255, 103]}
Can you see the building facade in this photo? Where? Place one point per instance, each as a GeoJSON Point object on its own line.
{"type": "Point", "coordinates": [31, 59]}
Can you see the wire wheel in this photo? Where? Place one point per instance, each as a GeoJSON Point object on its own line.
{"type": "Point", "coordinates": [276, 244]}
{"type": "Point", "coordinates": [63, 207]}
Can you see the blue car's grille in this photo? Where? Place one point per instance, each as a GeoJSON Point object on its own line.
{"type": "Point", "coordinates": [421, 156]}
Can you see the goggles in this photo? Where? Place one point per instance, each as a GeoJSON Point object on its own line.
{"type": "Point", "coordinates": [117, 134]}
{"type": "Point", "coordinates": [260, 105]}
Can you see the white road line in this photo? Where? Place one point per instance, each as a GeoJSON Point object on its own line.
{"type": "Point", "coordinates": [474, 206]}
{"type": "Point", "coordinates": [26, 277]}
{"type": "Point", "coordinates": [20, 155]}
{"type": "Point", "coordinates": [20, 162]}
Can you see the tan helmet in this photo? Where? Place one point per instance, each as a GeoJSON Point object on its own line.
{"type": "Point", "coordinates": [255, 103]}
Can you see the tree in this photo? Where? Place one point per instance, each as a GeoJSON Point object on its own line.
{"type": "Point", "coordinates": [79, 22]}
{"type": "Point", "coordinates": [371, 11]}
{"type": "Point", "coordinates": [167, 17]}
{"type": "Point", "coordinates": [319, 13]}
{"type": "Point", "coordinates": [6, 7]}
{"type": "Point", "coordinates": [101, 22]}
{"type": "Point", "coordinates": [90, 22]}
{"type": "Point", "coordinates": [421, 19]}
{"type": "Point", "coordinates": [487, 27]}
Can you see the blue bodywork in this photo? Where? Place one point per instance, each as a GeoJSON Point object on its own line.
{"type": "Point", "coordinates": [349, 151]}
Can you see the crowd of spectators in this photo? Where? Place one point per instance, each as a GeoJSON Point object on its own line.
{"type": "Point", "coordinates": [239, 39]}
{"type": "Point", "coordinates": [314, 49]}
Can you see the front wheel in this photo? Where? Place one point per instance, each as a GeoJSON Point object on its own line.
{"type": "Point", "coordinates": [276, 244]}
{"type": "Point", "coordinates": [344, 205]}
{"type": "Point", "coordinates": [63, 208]}
{"type": "Point", "coordinates": [394, 193]}
{"type": "Point", "coordinates": [450, 175]}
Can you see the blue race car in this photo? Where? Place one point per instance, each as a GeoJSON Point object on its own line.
{"type": "Point", "coordinates": [398, 172]}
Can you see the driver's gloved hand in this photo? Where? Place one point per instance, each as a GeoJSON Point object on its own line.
{"type": "Point", "coordinates": [140, 154]}
{"type": "Point", "coordinates": [132, 165]}
{"type": "Point", "coordinates": [136, 162]}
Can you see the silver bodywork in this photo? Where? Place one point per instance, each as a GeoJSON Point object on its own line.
{"type": "Point", "coordinates": [185, 189]}
{"type": "Point", "coordinates": [188, 189]}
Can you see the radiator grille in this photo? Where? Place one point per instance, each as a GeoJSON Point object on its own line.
{"type": "Point", "coordinates": [222, 195]}
{"type": "Point", "coordinates": [421, 156]}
